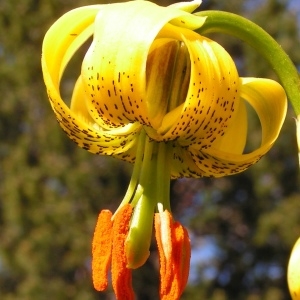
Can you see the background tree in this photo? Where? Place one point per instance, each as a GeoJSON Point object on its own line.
{"type": "Point", "coordinates": [242, 227]}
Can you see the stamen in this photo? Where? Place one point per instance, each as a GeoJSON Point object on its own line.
{"type": "Point", "coordinates": [101, 250]}
{"type": "Point", "coordinates": [121, 275]}
{"type": "Point", "coordinates": [164, 244]}
{"type": "Point", "coordinates": [174, 254]}
{"type": "Point", "coordinates": [186, 258]}
{"type": "Point", "coordinates": [181, 256]}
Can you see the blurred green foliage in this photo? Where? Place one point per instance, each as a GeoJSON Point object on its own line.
{"type": "Point", "coordinates": [51, 191]}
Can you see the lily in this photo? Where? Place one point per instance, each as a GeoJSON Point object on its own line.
{"type": "Point", "coordinates": [154, 92]}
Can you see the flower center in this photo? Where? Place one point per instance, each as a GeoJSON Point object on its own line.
{"type": "Point", "coordinates": [167, 76]}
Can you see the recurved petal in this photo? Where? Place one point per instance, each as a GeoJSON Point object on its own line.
{"type": "Point", "coordinates": [237, 132]}
{"type": "Point", "coordinates": [183, 165]}
{"type": "Point", "coordinates": [78, 104]}
{"type": "Point", "coordinates": [60, 43]}
{"type": "Point", "coordinates": [82, 108]}
{"type": "Point", "coordinates": [187, 6]}
{"type": "Point", "coordinates": [189, 21]}
{"type": "Point", "coordinates": [212, 99]}
{"type": "Point", "coordinates": [63, 39]}
{"type": "Point", "coordinates": [115, 65]}
{"type": "Point", "coordinates": [268, 99]}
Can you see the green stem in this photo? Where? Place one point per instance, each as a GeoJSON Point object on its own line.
{"type": "Point", "coordinates": [261, 41]}
{"type": "Point", "coordinates": [146, 176]}
{"type": "Point", "coordinates": [133, 188]}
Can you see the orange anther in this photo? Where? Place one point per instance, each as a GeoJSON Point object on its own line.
{"type": "Point", "coordinates": [174, 255]}
{"type": "Point", "coordinates": [121, 275]}
{"type": "Point", "coordinates": [101, 250]}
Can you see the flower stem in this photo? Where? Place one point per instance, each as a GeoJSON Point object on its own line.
{"type": "Point", "coordinates": [133, 189]}
{"type": "Point", "coordinates": [261, 41]}
{"type": "Point", "coordinates": [163, 175]}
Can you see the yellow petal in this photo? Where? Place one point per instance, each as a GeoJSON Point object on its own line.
{"type": "Point", "coordinates": [114, 69]}
{"type": "Point", "coordinates": [187, 6]}
{"type": "Point", "coordinates": [212, 99]}
{"type": "Point", "coordinates": [63, 39]}
{"type": "Point", "coordinates": [188, 21]}
{"type": "Point", "coordinates": [293, 272]}
{"type": "Point", "coordinates": [182, 164]}
{"type": "Point", "coordinates": [60, 43]}
{"type": "Point", "coordinates": [236, 132]}
{"type": "Point", "coordinates": [78, 104]}
{"type": "Point", "coordinates": [83, 109]}
{"type": "Point", "coordinates": [268, 99]}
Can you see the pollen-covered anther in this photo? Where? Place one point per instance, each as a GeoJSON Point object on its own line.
{"type": "Point", "coordinates": [101, 250]}
{"type": "Point", "coordinates": [174, 255]}
{"type": "Point", "coordinates": [121, 275]}
{"type": "Point", "coordinates": [108, 249]}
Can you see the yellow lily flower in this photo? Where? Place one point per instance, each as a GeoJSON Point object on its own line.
{"type": "Point", "coordinates": [155, 93]}
{"type": "Point", "coordinates": [293, 272]}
